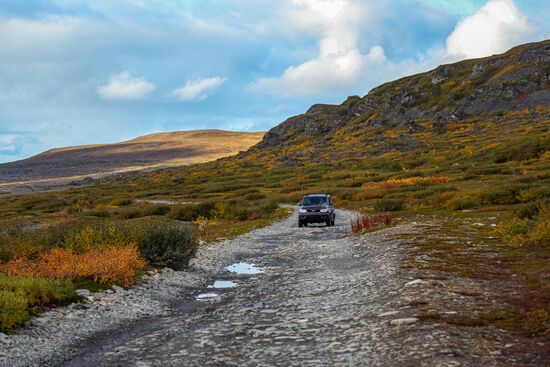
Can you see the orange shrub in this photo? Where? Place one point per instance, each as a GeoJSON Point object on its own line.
{"type": "Point", "coordinates": [400, 182]}
{"type": "Point", "coordinates": [115, 265]}
{"type": "Point", "coordinates": [366, 194]}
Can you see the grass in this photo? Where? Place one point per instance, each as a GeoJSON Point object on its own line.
{"type": "Point", "coordinates": [20, 297]}
{"type": "Point", "coordinates": [517, 271]}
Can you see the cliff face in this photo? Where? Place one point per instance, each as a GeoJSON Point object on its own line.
{"type": "Point", "coordinates": [515, 80]}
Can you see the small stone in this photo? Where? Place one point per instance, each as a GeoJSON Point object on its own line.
{"type": "Point", "coordinates": [4, 339]}
{"type": "Point", "coordinates": [83, 292]}
{"type": "Point", "coordinates": [404, 321]}
{"type": "Point", "coordinates": [389, 313]}
{"type": "Point", "coordinates": [80, 306]}
{"type": "Point", "coordinates": [118, 289]}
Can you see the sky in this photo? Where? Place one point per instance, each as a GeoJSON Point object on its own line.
{"type": "Point", "coordinates": [78, 72]}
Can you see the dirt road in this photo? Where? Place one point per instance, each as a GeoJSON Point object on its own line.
{"type": "Point", "coordinates": [324, 298]}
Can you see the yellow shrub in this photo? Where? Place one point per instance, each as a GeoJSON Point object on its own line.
{"type": "Point", "coordinates": [13, 309]}
{"type": "Point", "coordinates": [94, 237]}
{"type": "Point", "coordinates": [541, 232]}
{"type": "Point", "coordinates": [514, 232]}
{"type": "Point", "coordinates": [114, 265]}
{"type": "Point", "coordinates": [537, 322]}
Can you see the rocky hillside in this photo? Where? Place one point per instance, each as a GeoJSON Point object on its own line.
{"type": "Point", "coordinates": [428, 102]}
{"type": "Point", "coordinates": [155, 150]}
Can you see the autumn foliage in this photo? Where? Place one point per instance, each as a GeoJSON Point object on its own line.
{"type": "Point", "coordinates": [409, 181]}
{"type": "Point", "coordinates": [366, 222]}
{"type": "Point", "coordinates": [114, 265]}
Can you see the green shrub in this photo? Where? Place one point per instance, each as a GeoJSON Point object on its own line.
{"type": "Point", "coordinates": [243, 214]}
{"type": "Point", "coordinates": [18, 295]}
{"type": "Point", "coordinates": [130, 213]}
{"type": "Point", "coordinates": [186, 213]}
{"type": "Point", "coordinates": [534, 193]}
{"type": "Point", "coordinates": [499, 195]}
{"type": "Point", "coordinates": [521, 149]}
{"type": "Point", "coordinates": [206, 209]}
{"type": "Point", "coordinates": [255, 196]}
{"type": "Point", "coordinates": [101, 213]}
{"type": "Point", "coordinates": [469, 176]}
{"type": "Point", "coordinates": [171, 246]}
{"type": "Point", "coordinates": [387, 204]}
{"type": "Point", "coordinates": [527, 211]}
{"type": "Point", "coordinates": [157, 210]}
{"type": "Point", "coordinates": [515, 231]}
{"type": "Point", "coordinates": [462, 203]}
{"type": "Point", "coordinates": [415, 163]}
{"type": "Point", "coordinates": [122, 202]}
{"type": "Point", "coordinates": [13, 310]}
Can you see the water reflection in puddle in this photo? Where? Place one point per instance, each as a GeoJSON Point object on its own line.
{"type": "Point", "coordinates": [218, 284]}
{"type": "Point", "coordinates": [207, 295]}
{"type": "Point", "coordinates": [244, 268]}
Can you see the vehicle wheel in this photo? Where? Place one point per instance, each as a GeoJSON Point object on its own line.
{"type": "Point", "coordinates": [332, 221]}
{"type": "Point", "coordinates": [328, 223]}
{"type": "Point", "coordinates": [300, 224]}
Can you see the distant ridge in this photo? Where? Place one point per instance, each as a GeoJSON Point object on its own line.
{"type": "Point", "coordinates": [149, 151]}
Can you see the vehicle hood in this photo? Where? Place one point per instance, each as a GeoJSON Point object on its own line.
{"type": "Point", "coordinates": [314, 207]}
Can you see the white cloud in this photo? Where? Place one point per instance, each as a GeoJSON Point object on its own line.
{"type": "Point", "coordinates": [198, 90]}
{"type": "Point", "coordinates": [494, 28]}
{"type": "Point", "coordinates": [339, 62]}
{"type": "Point", "coordinates": [124, 86]}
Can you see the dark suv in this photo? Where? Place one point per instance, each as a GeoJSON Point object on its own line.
{"type": "Point", "coordinates": [316, 208]}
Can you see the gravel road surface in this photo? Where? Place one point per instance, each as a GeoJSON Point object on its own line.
{"type": "Point", "coordinates": [323, 298]}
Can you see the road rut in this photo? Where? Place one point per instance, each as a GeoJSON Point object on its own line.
{"type": "Point", "coordinates": [325, 298]}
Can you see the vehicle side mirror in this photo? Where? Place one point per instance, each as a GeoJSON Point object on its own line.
{"type": "Point", "coordinates": [300, 203]}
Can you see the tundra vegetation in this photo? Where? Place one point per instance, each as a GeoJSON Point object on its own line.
{"type": "Point", "coordinates": [488, 163]}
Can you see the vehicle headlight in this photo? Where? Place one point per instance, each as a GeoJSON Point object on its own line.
{"type": "Point", "coordinates": [303, 211]}
{"type": "Point", "coordinates": [324, 210]}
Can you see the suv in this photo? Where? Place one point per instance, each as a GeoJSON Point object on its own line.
{"type": "Point", "coordinates": [316, 208]}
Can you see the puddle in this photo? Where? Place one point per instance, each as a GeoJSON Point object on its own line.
{"type": "Point", "coordinates": [220, 284]}
{"type": "Point", "coordinates": [207, 295]}
{"type": "Point", "coordinates": [244, 268]}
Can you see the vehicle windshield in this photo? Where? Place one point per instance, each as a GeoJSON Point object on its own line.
{"type": "Point", "coordinates": [315, 200]}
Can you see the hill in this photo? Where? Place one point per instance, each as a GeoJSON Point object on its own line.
{"type": "Point", "coordinates": [395, 115]}
{"type": "Point", "coordinates": [150, 151]}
